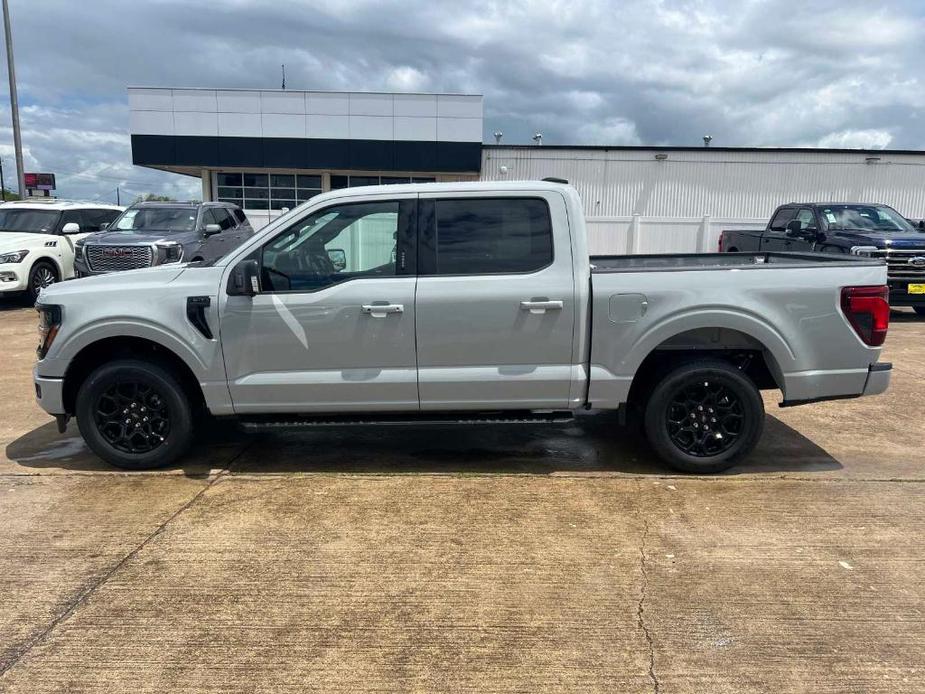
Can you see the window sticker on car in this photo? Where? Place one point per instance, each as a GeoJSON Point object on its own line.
{"type": "Point", "coordinates": [830, 218]}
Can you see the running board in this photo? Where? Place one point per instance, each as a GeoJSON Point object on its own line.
{"type": "Point", "coordinates": [277, 422]}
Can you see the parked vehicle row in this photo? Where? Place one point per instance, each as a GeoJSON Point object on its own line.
{"type": "Point", "coordinates": [38, 241]}
{"type": "Point", "coordinates": [43, 242]}
{"type": "Point", "coordinates": [456, 303]}
{"type": "Point", "coordinates": [873, 231]}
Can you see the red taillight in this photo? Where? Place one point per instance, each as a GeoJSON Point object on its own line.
{"type": "Point", "coordinates": [868, 311]}
{"type": "Point", "coordinates": [720, 242]}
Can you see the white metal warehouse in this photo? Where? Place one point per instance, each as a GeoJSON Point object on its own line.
{"type": "Point", "coordinates": [269, 150]}
{"type": "Point", "coordinates": [660, 199]}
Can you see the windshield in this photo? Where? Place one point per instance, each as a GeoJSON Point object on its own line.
{"type": "Point", "coordinates": [157, 219]}
{"type": "Point", "coordinates": [865, 218]}
{"type": "Point", "coordinates": [34, 221]}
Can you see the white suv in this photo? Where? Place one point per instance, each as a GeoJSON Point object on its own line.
{"type": "Point", "coordinates": [37, 240]}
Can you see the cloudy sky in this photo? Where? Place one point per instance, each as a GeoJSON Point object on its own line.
{"type": "Point", "coordinates": [843, 73]}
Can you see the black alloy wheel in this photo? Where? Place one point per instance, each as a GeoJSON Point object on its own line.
{"type": "Point", "coordinates": [135, 413]}
{"type": "Point", "coordinates": [704, 416]}
{"type": "Point", "coordinates": [132, 416]}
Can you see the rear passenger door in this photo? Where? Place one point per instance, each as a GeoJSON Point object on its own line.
{"type": "Point", "coordinates": [495, 302]}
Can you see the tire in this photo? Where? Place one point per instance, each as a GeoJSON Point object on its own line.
{"type": "Point", "coordinates": [680, 410]}
{"type": "Point", "coordinates": [150, 399]}
{"type": "Point", "coordinates": [920, 310]}
{"type": "Point", "coordinates": [42, 274]}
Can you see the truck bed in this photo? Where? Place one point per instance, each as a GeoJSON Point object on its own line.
{"type": "Point", "coordinates": [717, 261]}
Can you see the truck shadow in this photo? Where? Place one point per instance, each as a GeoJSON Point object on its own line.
{"type": "Point", "coordinates": [594, 443]}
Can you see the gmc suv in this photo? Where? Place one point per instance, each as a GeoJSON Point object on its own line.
{"type": "Point", "coordinates": [155, 233]}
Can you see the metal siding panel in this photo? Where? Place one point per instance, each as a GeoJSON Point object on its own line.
{"type": "Point", "coordinates": [736, 189]}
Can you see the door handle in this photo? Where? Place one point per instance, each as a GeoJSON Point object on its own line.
{"type": "Point", "coordinates": [541, 306]}
{"type": "Point", "coordinates": [381, 310]}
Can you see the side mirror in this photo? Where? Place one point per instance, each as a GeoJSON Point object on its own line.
{"type": "Point", "coordinates": [211, 230]}
{"type": "Point", "coordinates": [794, 228]}
{"type": "Point", "coordinates": [244, 279]}
{"type": "Point", "coordinates": [338, 258]}
{"type": "Point", "coordinates": [71, 228]}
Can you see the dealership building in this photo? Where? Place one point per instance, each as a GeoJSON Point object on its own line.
{"type": "Point", "coordinates": [269, 150]}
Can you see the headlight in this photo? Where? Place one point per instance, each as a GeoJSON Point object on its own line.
{"type": "Point", "coordinates": [14, 257]}
{"type": "Point", "coordinates": [169, 252]}
{"type": "Point", "coordinates": [49, 323]}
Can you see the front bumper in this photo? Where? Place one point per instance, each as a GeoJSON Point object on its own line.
{"type": "Point", "coordinates": [900, 296]}
{"type": "Point", "coordinates": [49, 393]}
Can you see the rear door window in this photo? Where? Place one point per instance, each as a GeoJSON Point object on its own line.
{"type": "Point", "coordinates": [477, 236]}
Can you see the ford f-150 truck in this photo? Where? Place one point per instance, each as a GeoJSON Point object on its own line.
{"type": "Point", "coordinates": [874, 231]}
{"type": "Point", "coordinates": [462, 303]}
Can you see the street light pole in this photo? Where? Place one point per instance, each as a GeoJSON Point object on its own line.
{"type": "Point", "coordinates": [14, 101]}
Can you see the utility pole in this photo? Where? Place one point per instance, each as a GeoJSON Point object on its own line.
{"type": "Point", "coordinates": [282, 66]}
{"type": "Point", "coordinates": [118, 200]}
{"type": "Point", "coordinates": [14, 101]}
{"type": "Point", "coordinates": [2, 184]}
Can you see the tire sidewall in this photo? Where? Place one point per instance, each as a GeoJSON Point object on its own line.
{"type": "Point", "coordinates": [178, 439]}
{"type": "Point", "coordinates": [657, 412]}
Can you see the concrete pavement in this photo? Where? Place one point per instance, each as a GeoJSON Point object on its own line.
{"type": "Point", "coordinates": [485, 559]}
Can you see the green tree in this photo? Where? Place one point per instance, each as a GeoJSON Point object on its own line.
{"type": "Point", "coordinates": [153, 197]}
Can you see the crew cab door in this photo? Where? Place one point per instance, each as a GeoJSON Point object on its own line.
{"type": "Point", "coordinates": [775, 236]}
{"type": "Point", "coordinates": [332, 327]}
{"type": "Point", "coordinates": [804, 239]}
{"type": "Point", "coordinates": [495, 301]}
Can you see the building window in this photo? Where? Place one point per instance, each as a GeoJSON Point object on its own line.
{"type": "Point", "coordinates": [353, 181]}
{"type": "Point", "coordinates": [263, 191]}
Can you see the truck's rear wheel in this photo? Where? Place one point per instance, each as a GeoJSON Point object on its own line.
{"type": "Point", "coordinates": [134, 414]}
{"type": "Point", "coordinates": [704, 416]}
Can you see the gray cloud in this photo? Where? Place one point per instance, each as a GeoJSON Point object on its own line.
{"type": "Point", "coordinates": [749, 73]}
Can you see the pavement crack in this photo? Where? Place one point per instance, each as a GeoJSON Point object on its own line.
{"type": "Point", "coordinates": [94, 585]}
{"type": "Point", "coordinates": [641, 609]}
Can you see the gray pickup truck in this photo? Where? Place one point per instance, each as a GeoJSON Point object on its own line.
{"type": "Point", "coordinates": [462, 302]}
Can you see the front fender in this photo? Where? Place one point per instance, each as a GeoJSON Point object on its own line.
{"type": "Point", "coordinates": [56, 363]}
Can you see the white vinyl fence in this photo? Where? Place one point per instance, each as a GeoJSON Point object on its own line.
{"type": "Point", "coordinates": [635, 234]}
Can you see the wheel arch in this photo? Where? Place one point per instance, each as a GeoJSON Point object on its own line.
{"type": "Point", "coordinates": [106, 349]}
{"type": "Point", "coordinates": [49, 260]}
{"type": "Point", "coordinates": [732, 346]}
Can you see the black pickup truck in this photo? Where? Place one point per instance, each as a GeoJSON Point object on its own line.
{"type": "Point", "coordinates": [870, 230]}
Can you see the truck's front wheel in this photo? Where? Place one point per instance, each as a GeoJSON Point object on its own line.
{"type": "Point", "coordinates": [134, 414]}
{"type": "Point", "coordinates": [704, 416]}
